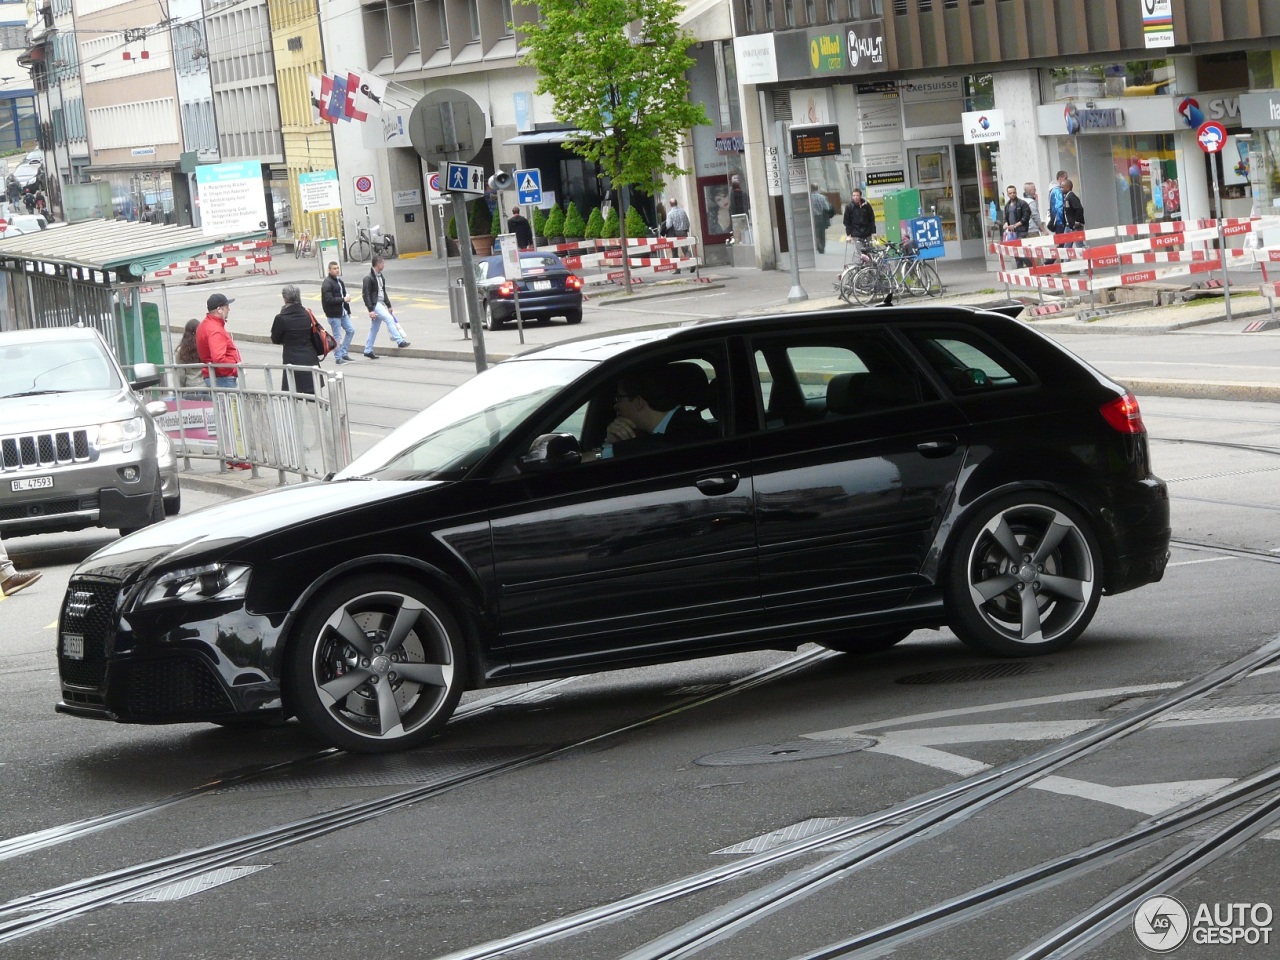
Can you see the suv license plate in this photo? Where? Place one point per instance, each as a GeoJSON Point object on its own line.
{"type": "Point", "coordinates": [32, 483]}
{"type": "Point", "coordinates": [541, 284]}
{"type": "Point", "coordinates": [73, 646]}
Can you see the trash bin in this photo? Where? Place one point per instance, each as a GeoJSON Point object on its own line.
{"type": "Point", "coordinates": [458, 303]}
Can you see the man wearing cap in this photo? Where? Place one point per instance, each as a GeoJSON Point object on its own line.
{"type": "Point", "coordinates": [214, 344]}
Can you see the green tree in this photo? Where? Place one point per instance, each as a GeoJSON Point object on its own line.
{"type": "Point", "coordinates": [616, 71]}
{"type": "Point", "coordinates": [574, 226]}
{"type": "Point", "coordinates": [595, 225]}
{"type": "Point", "coordinates": [555, 222]}
{"type": "Point", "coordinates": [495, 222]}
{"type": "Point", "coordinates": [610, 229]}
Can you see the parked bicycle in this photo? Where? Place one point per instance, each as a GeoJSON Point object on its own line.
{"type": "Point", "coordinates": [368, 242]}
{"type": "Point", "coordinates": [895, 272]}
{"type": "Point", "coordinates": [302, 246]}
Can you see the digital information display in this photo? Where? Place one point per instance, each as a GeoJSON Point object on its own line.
{"type": "Point", "coordinates": [815, 140]}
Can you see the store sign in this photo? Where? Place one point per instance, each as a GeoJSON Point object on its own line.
{"type": "Point", "coordinates": [1078, 121]}
{"type": "Point", "coordinates": [886, 178]}
{"type": "Point", "coordinates": [932, 88]}
{"type": "Point", "coordinates": [730, 141]}
{"type": "Point", "coordinates": [982, 126]}
{"type": "Point", "coordinates": [865, 45]}
{"type": "Point", "coordinates": [826, 53]}
{"type": "Point", "coordinates": [756, 58]}
{"type": "Point", "coordinates": [1260, 109]}
{"type": "Point", "coordinates": [1157, 22]}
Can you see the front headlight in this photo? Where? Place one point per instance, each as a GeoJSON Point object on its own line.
{"type": "Point", "coordinates": [211, 583]}
{"type": "Point", "coordinates": [164, 449]}
{"type": "Point", "coordinates": [121, 431]}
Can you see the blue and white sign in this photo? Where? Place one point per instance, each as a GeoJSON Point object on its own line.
{"type": "Point", "coordinates": [319, 190]}
{"type": "Point", "coordinates": [464, 178]}
{"type": "Point", "coordinates": [926, 234]}
{"type": "Point", "coordinates": [231, 198]}
{"type": "Point", "coordinates": [529, 185]}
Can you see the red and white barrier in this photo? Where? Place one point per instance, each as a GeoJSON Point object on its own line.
{"type": "Point", "coordinates": [646, 257]}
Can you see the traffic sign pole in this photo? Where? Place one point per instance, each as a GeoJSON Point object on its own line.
{"type": "Point", "coordinates": [1212, 137]}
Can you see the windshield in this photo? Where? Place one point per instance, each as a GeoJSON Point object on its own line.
{"type": "Point", "coordinates": [55, 366]}
{"type": "Point", "coordinates": [454, 433]}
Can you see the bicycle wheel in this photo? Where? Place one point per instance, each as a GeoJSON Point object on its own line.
{"type": "Point", "coordinates": [931, 281]}
{"type": "Point", "coordinates": [360, 250]}
{"type": "Point", "coordinates": [297, 248]}
{"type": "Point", "coordinates": [844, 286]}
{"type": "Point", "coordinates": [913, 279]}
{"type": "Point", "coordinates": [871, 283]}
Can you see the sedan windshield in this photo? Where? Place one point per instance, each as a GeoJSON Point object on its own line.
{"type": "Point", "coordinates": [452, 435]}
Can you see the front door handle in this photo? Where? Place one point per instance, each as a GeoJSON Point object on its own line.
{"type": "Point", "coordinates": [720, 483]}
{"type": "Point", "coordinates": [940, 447]}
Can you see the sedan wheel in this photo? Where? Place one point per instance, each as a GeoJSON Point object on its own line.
{"type": "Point", "coordinates": [1024, 578]}
{"type": "Point", "coordinates": [489, 323]}
{"type": "Point", "coordinates": [573, 316]}
{"type": "Point", "coordinates": [376, 666]}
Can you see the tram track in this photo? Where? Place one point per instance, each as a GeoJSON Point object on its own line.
{"type": "Point", "coordinates": [29, 914]}
{"type": "Point", "coordinates": [929, 814]}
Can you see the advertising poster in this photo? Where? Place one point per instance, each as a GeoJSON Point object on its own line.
{"type": "Point", "coordinates": [232, 199]}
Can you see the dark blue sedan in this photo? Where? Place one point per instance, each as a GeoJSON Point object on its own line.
{"type": "Point", "coordinates": [546, 289]}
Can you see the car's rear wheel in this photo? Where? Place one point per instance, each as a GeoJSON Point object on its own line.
{"type": "Point", "coordinates": [573, 316]}
{"type": "Point", "coordinates": [1025, 577]}
{"type": "Point", "coordinates": [376, 665]}
{"type": "Point", "coordinates": [489, 322]}
{"type": "Point", "coordinates": [867, 641]}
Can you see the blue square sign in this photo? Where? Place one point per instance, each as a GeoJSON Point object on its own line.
{"type": "Point", "coordinates": [529, 185]}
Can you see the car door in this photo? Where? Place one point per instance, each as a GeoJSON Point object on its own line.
{"type": "Point", "coordinates": [632, 557]}
{"type": "Point", "coordinates": [853, 470]}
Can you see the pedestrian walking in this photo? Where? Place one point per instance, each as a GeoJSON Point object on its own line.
{"type": "Point", "coordinates": [520, 226]}
{"type": "Point", "coordinates": [1057, 222]}
{"type": "Point", "coordinates": [1073, 209]}
{"type": "Point", "coordinates": [1037, 227]}
{"type": "Point", "coordinates": [676, 223]}
{"type": "Point", "coordinates": [822, 211]}
{"type": "Point", "coordinates": [291, 329]}
{"type": "Point", "coordinates": [374, 293]}
{"type": "Point", "coordinates": [336, 303]}
{"type": "Point", "coordinates": [11, 581]}
{"type": "Point", "coordinates": [859, 219]}
{"type": "Point", "coordinates": [220, 355]}
{"type": "Point", "coordinates": [1017, 220]}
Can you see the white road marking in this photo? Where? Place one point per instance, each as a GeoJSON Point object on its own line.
{"type": "Point", "coordinates": [1187, 563]}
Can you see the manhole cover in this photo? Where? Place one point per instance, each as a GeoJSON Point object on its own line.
{"type": "Point", "coordinates": [783, 752]}
{"type": "Point", "coordinates": [984, 671]}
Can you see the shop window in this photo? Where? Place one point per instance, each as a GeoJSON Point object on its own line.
{"type": "Point", "coordinates": [1134, 78]}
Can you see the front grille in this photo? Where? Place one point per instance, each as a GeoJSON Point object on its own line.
{"type": "Point", "coordinates": [89, 611]}
{"type": "Point", "coordinates": [39, 451]}
{"type": "Point", "coordinates": [47, 508]}
{"type": "Point", "coordinates": [159, 689]}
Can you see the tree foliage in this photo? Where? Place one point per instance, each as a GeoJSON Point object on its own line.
{"type": "Point", "coordinates": [538, 221]}
{"type": "Point", "coordinates": [555, 221]}
{"type": "Point", "coordinates": [574, 226]}
{"type": "Point", "coordinates": [595, 225]}
{"type": "Point", "coordinates": [630, 99]}
{"type": "Point", "coordinates": [636, 227]}
{"type": "Point", "coordinates": [610, 229]}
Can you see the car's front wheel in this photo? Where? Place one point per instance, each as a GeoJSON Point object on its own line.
{"type": "Point", "coordinates": [377, 665]}
{"type": "Point", "coordinates": [1025, 577]}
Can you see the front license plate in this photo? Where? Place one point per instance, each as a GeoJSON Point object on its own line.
{"type": "Point", "coordinates": [542, 284]}
{"type": "Point", "coordinates": [73, 647]}
{"type": "Point", "coordinates": [32, 483]}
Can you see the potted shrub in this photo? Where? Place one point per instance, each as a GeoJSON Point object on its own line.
{"type": "Point", "coordinates": [481, 238]}
{"type": "Point", "coordinates": [555, 225]}
{"type": "Point", "coordinates": [637, 229]}
{"type": "Point", "coordinates": [595, 225]}
{"type": "Point", "coordinates": [539, 222]}
{"type": "Point", "coordinates": [575, 227]}
{"type": "Point", "coordinates": [495, 222]}
{"type": "Point", "coordinates": [451, 238]}
{"type": "Point", "coordinates": [610, 229]}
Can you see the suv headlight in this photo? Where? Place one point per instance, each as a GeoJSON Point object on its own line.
{"type": "Point", "coordinates": [214, 582]}
{"type": "Point", "coordinates": [121, 431]}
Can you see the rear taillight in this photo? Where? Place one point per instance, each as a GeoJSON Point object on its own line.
{"type": "Point", "coordinates": [573, 282]}
{"type": "Point", "coordinates": [506, 289]}
{"type": "Point", "coordinates": [1123, 414]}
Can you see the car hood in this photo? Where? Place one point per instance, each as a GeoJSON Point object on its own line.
{"type": "Point", "coordinates": [215, 530]}
{"type": "Point", "coordinates": [62, 411]}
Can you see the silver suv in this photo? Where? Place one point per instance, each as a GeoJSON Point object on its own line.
{"type": "Point", "coordinates": [78, 446]}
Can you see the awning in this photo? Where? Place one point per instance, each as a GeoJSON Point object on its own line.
{"type": "Point", "coordinates": [541, 136]}
{"type": "Point", "coordinates": [133, 247]}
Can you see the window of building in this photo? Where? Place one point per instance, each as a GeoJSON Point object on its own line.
{"type": "Point", "coordinates": [508, 18]}
{"type": "Point", "coordinates": [444, 24]}
{"type": "Point", "coordinates": [769, 19]}
{"type": "Point", "coordinates": [1135, 78]}
{"type": "Point", "coordinates": [749, 15]}
{"type": "Point", "coordinates": [473, 14]}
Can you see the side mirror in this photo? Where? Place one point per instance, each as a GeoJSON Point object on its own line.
{"type": "Point", "coordinates": [551, 451]}
{"type": "Point", "coordinates": [156, 409]}
{"type": "Point", "coordinates": [144, 375]}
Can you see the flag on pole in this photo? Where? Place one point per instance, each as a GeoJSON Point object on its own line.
{"type": "Point", "coordinates": [371, 91]}
{"type": "Point", "coordinates": [338, 97]}
{"type": "Point", "coordinates": [313, 84]}
{"type": "Point", "coordinates": [326, 89]}
{"type": "Point", "coordinates": [353, 91]}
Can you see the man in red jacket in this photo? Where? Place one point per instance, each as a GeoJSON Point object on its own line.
{"type": "Point", "coordinates": [214, 344]}
{"type": "Point", "coordinates": [219, 353]}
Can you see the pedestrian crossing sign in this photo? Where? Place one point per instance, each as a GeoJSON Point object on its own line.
{"type": "Point", "coordinates": [529, 185]}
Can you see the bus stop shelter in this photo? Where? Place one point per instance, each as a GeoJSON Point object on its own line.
{"type": "Point", "coordinates": [92, 273]}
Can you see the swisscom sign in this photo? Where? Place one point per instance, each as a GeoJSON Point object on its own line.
{"type": "Point", "coordinates": [982, 126]}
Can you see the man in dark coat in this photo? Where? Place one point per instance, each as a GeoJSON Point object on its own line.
{"type": "Point", "coordinates": [374, 293]}
{"type": "Point", "coordinates": [1017, 220]}
{"type": "Point", "coordinates": [336, 303]}
{"type": "Point", "coordinates": [651, 416]}
{"type": "Point", "coordinates": [859, 219]}
{"type": "Point", "coordinates": [520, 226]}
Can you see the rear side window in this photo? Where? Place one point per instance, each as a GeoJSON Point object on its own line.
{"type": "Point", "coordinates": [814, 377]}
{"type": "Point", "coordinates": [968, 362]}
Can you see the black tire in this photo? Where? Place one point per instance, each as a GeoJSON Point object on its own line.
{"type": "Point", "coordinates": [573, 316]}
{"type": "Point", "coordinates": [376, 665]}
{"type": "Point", "coordinates": [1024, 576]}
{"type": "Point", "coordinates": [360, 250]}
{"type": "Point", "coordinates": [488, 321]}
{"type": "Point", "coordinates": [172, 505]}
{"type": "Point", "coordinates": [157, 512]}
{"type": "Point", "coordinates": [872, 640]}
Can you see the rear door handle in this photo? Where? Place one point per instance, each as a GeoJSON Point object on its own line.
{"type": "Point", "coordinates": [719, 484]}
{"type": "Point", "coordinates": [941, 447]}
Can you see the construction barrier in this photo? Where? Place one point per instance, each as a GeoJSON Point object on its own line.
{"type": "Point", "coordinates": [646, 257]}
{"type": "Point", "coordinates": [249, 256]}
{"type": "Point", "coordinates": [1077, 262]}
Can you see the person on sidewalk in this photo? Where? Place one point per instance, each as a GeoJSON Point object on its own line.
{"type": "Point", "coordinates": [219, 353]}
{"type": "Point", "coordinates": [291, 328]}
{"type": "Point", "coordinates": [520, 226]}
{"type": "Point", "coordinates": [11, 581]}
{"type": "Point", "coordinates": [676, 223]}
{"type": "Point", "coordinates": [820, 207]}
{"type": "Point", "coordinates": [859, 220]}
{"type": "Point", "coordinates": [374, 292]}
{"type": "Point", "coordinates": [1017, 221]}
{"type": "Point", "coordinates": [336, 303]}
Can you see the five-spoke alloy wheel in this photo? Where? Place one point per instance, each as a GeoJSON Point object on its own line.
{"type": "Point", "coordinates": [1024, 577]}
{"type": "Point", "coordinates": [377, 665]}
